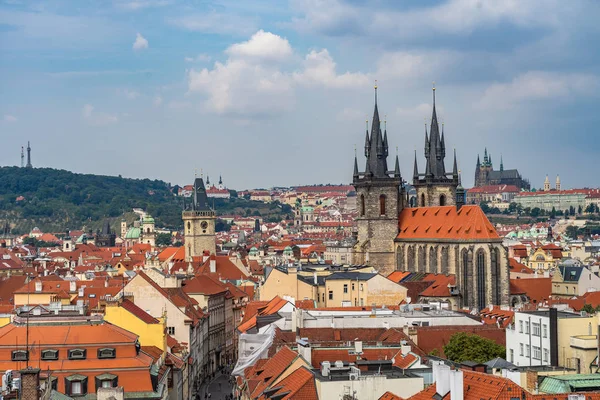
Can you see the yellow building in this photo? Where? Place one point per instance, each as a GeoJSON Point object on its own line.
{"type": "Point", "coordinates": [125, 314]}
{"type": "Point", "coordinates": [544, 258]}
{"type": "Point", "coordinates": [330, 288]}
{"type": "Point", "coordinates": [45, 292]}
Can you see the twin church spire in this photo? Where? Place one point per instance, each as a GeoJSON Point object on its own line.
{"type": "Point", "coordinates": [376, 151]}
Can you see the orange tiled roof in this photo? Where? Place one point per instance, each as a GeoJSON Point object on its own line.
{"type": "Point", "coordinates": [299, 385]}
{"type": "Point", "coordinates": [138, 312]}
{"type": "Point", "coordinates": [397, 276]}
{"type": "Point", "coordinates": [270, 308]}
{"type": "Point", "coordinates": [468, 223]}
{"type": "Point", "coordinates": [272, 369]}
{"type": "Point", "coordinates": [390, 396]}
{"type": "Point", "coordinates": [537, 289]}
{"type": "Point", "coordinates": [439, 287]}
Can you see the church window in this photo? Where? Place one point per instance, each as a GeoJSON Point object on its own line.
{"type": "Point", "coordinates": [442, 200]}
{"type": "Point", "coordinates": [399, 258]}
{"type": "Point", "coordinates": [362, 204]}
{"type": "Point", "coordinates": [382, 204]}
{"type": "Point", "coordinates": [481, 280]}
{"type": "Point", "coordinates": [465, 277]}
{"type": "Point", "coordinates": [422, 199]}
{"type": "Point", "coordinates": [445, 267]}
{"type": "Point", "coordinates": [148, 230]}
{"type": "Point", "coordinates": [432, 260]}
{"type": "Point", "coordinates": [421, 260]}
{"type": "Point", "coordinates": [496, 277]}
{"type": "Point", "coordinates": [410, 259]}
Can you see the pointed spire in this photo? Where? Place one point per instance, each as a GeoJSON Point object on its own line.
{"type": "Point", "coordinates": [385, 140]}
{"type": "Point", "coordinates": [220, 180]}
{"type": "Point", "coordinates": [415, 168]}
{"type": "Point", "coordinates": [478, 161]}
{"type": "Point", "coordinates": [367, 144]}
{"type": "Point", "coordinates": [397, 166]}
{"type": "Point", "coordinates": [207, 180]}
{"type": "Point", "coordinates": [427, 143]}
{"type": "Point", "coordinates": [485, 158]}
{"type": "Point", "coordinates": [443, 142]}
{"type": "Point", "coordinates": [490, 160]}
{"type": "Point", "coordinates": [355, 164]}
{"type": "Point", "coordinates": [455, 167]}
{"type": "Point", "coordinates": [501, 163]}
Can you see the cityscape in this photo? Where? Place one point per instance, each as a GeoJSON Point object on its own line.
{"type": "Point", "coordinates": [219, 239]}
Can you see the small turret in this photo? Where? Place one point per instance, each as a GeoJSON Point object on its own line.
{"type": "Point", "coordinates": [557, 183]}
{"type": "Point", "coordinates": [460, 194]}
{"type": "Point", "coordinates": [547, 184]}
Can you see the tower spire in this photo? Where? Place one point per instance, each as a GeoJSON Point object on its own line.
{"type": "Point", "coordinates": [29, 156]}
{"type": "Point", "coordinates": [415, 168]}
{"type": "Point", "coordinates": [501, 163]}
{"type": "Point", "coordinates": [355, 174]}
{"type": "Point", "coordinates": [367, 144]}
{"type": "Point", "coordinates": [397, 167]}
{"type": "Point", "coordinates": [455, 168]}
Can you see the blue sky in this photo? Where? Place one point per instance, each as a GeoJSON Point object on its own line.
{"type": "Point", "coordinates": [277, 93]}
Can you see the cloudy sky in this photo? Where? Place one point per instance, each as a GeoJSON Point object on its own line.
{"type": "Point", "coordinates": [277, 93]}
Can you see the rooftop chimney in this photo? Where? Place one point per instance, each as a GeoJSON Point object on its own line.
{"type": "Point", "coordinates": [38, 286]}
{"type": "Point", "coordinates": [441, 376]}
{"type": "Point", "coordinates": [456, 384]}
{"type": "Point", "coordinates": [213, 264]}
{"type": "Point", "coordinates": [315, 277]}
{"type": "Point", "coordinates": [72, 286]}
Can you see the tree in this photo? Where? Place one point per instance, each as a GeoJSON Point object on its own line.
{"type": "Point", "coordinates": [579, 210]}
{"type": "Point", "coordinates": [465, 347]}
{"type": "Point", "coordinates": [588, 308]}
{"type": "Point", "coordinates": [163, 239]}
{"type": "Point", "coordinates": [484, 207]}
{"type": "Point", "coordinates": [512, 207]}
{"type": "Point", "coordinates": [535, 212]}
{"type": "Point", "coordinates": [222, 226]}
{"type": "Point", "coordinates": [553, 213]}
{"type": "Point", "coordinates": [591, 208]}
{"type": "Point", "coordinates": [572, 231]}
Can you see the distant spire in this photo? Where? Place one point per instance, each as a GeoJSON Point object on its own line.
{"type": "Point", "coordinates": [427, 143]}
{"type": "Point", "coordinates": [385, 140]}
{"type": "Point", "coordinates": [443, 141]}
{"type": "Point", "coordinates": [455, 167]}
{"type": "Point", "coordinates": [501, 163]}
{"type": "Point", "coordinates": [478, 162]}
{"type": "Point", "coordinates": [207, 180]}
{"type": "Point", "coordinates": [29, 156]}
{"type": "Point", "coordinates": [485, 158]}
{"type": "Point", "coordinates": [22, 157]}
{"type": "Point", "coordinates": [367, 144]}
{"type": "Point", "coordinates": [220, 180]}
{"type": "Point", "coordinates": [355, 174]}
{"type": "Point", "coordinates": [490, 160]}
{"type": "Point", "coordinates": [415, 168]}
{"type": "Point", "coordinates": [397, 166]}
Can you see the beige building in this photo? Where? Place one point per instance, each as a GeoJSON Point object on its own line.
{"type": "Point", "coordinates": [339, 253]}
{"type": "Point", "coordinates": [333, 288]}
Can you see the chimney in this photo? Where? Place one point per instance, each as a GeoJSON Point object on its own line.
{"type": "Point", "coordinates": [325, 366]}
{"type": "Point", "coordinates": [81, 291]}
{"type": "Point", "coordinates": [213, 264]}
{"type": "Point", "coordinates": [305, 351]}
{"type": "Point", "coordinates": [30, 383]}
{"type": "Point", "coordinates": [38, 286]}
{"type": "Point", "coordinates": [358, 347]}
{"type": "Point", "coordinates": [441, 377]}
{"type": "Point", "coordinates": [315, 277]}
{"type": "Point", "coordinates": [456, 384]}
{"type": "Point", "coordinates": [72, 286]}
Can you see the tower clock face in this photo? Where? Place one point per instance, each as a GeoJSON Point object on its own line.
{"type": "Point", "coordinates": [204, 224]}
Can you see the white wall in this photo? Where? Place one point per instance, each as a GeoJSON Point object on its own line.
{"type": "Point", "coordinates": [517, 337]}
{"type": "Point", "coordinates": [370, 387]}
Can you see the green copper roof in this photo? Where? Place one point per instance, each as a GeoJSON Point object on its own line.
{"type": "Point", "coordinates": [133, 233]}
{"type": "Point", "coordinates": [148, 220]}
{"type": "Point", "coordinates": [569, 383]}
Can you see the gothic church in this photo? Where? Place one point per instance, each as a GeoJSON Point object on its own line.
{"type": "Point", "coordinates": [441, 235]}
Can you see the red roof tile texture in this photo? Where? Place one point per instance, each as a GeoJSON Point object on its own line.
{"type": "Point", "coordinates": [468, 223]}
{"type": "Point", "coordinates": [537, 289]}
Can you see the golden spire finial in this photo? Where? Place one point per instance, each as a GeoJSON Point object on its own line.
{"type": "Point", "coordinates": [201, 173]}
{"type": "Point", "coordinates": [396, 150]}
{"type": "Point", "coordinates": [385, 121]}
{"type": "Point", "coordinates": [354, 149]}
{"type": "Point", "coordinates": [375, 84]}
{"type": "Point", "coordinates": [367, 123]}
{"type": "Point", "coordinates": [433, 84]}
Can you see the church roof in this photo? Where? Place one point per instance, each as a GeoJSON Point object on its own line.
{"type": "Point", "coordinates": [506, 174]}
{"type": "Point", "coordinates": [467, 223]}
{"type": "Point", "coordinates": [133, 233]}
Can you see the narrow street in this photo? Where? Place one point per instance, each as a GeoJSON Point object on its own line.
{"type": "Point", "coordinates": [218, 388]}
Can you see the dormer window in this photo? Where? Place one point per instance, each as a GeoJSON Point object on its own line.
{"type": "Point", "coordinates": [20, 355]}
{"type": "Point", "coordinates": [77, 354]}
{"type": "Point", "coordinates": [49, 355]}
{"type": "Point", "coordinates": [107, 353]}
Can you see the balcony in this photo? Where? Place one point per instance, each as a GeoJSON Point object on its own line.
{"type": "Point", "coordinates": [584, 342]}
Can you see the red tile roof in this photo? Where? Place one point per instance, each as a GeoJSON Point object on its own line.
{"type": "Point", "coordinates": [299, 385]}
{"type": "Point", "coordinates": [138, 312]}
{"type": "Point", "coordinates": [516, 266]}
{"type": "Point", "coordinates": [468, 223]}
{"type": "Point", "coordinates": [397, 276]}
{"type": "Point", "coordinates": [537, 289]}
{"type": "Point", "coordinates": [432, 338]}
{"type": "Point", "coordinates": [390, 396]}
{"type": "Point", "coordinates": [272, 307]}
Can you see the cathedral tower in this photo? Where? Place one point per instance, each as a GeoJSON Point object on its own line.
{"type": "Point", "coordinates": [379, 199]}
{"type": "Point", "coordinates": [435, 187]}
{"type": "Point", "coordinates": [199, 224]}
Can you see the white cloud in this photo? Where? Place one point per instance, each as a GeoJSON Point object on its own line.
{"type": "Point", "coordinates": [203, 57]}
{"type": "Point", "coordinates": [134, 5]}
{"type": "Point", "coordinates": [262, 46]}
{"type": "Point", "coordinates": [93, 117]}
{"type": "Point", "coordinates": [130, 94]}
{"type": "Point", "coordinates": [157, 101]}
{"type": "Point", "coordinates": [319, 68]}
{"type": "Point", "coordinates": [140, 42]}
{"type": "Point", "coordinates": [422, 110]}
{"type": "Point", "coordinates": [253, 82]}
{"type": "Point", "coordinates": [10, 118]}
{"type": "Point", "coordinates": [179, 105]}
{"type": "Point", "coordinates": [213, 22]}
{"type": "Point", "coordinates": [538, 85]}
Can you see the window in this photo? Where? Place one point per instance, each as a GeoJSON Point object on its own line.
{"type": "Point", "coordinates": [512, 356]}
{"type": "Point", "coordinates": [362, 205]}
{"type": "Point", "coordinates": [323, 297]}
{"type": "Point", "coordinates": [345, 288]}
{"type": "Point", "coordinates": [382, 204]}
{"type": "Point", "coordinates": [520, 326]}
{"type": "Point", "coordinates": [527, 350]}
{"type": "Point", "coordinates": [76, 385]}
{"type": "Point", "coordinates": [331, 295]}
{"type": "Point", "coordinates": [526, 326]}
{"type": "Point", "coordinates": [535, 329]}
{"type": "Point", "coordinates": [361, 287]}
{"type": "Point", "coordinates": [353, 287]}
{"type": "Point", "coordinates": [20, 355]}
{"type": "Point", "coordinates": [520, 349]}
{"type": "Point", "coordinates": [442, 200]}
{"type": "Point", "coordinates": [537, 353]}
{"type": "Point", "coordinates": [546, 355]}
{"type": "Point", "coordinates": [50, 355]}
{"type": "Point", "coordinates": [545, 330]}
{"type": "Point", "coordinates": [106, 381]}
{"type": "Point", "coordinates": [77, 354]}
{"type": "Point", "coordinates": [107, 353]}
{"type": "Point", "coordinates": [362, 302]}
{"type": "Point", "coordinates": [171, 330]}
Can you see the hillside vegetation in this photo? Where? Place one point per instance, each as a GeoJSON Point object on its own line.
{"type": "Point", "coordinates": [55, 200]}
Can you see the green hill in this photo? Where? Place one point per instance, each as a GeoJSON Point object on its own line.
{"type": "Point", "coordinates": [55, 200]}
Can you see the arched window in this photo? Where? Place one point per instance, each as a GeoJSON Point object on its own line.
{"type": "Point", "coordinates": [422, 199]}
{"type": "Point", "coordinates": [432, 260]}
{"type": "Point", "coordinates": [382, 204]}
{"type": "Point", "coordinates": [147, 230]}
{"type": "Point", "coordinates": [465, 277]}
{"type": "Point", "coordinates": [189, 226]}
{"type": "Point", "coordinates": [445, 268]}
{"type": "Point", "coordinates": [421, 261]}
{"type": "Point", "coordinates": [400, 258]}
{"type": "Point", "coordinates": [481, 280]}
{"type": "Point", "coordinates": [362, 204]}
{"type": "Point", "coordinates": [410, 259]}
{"type": "Point", "coordinates": [442, 200]}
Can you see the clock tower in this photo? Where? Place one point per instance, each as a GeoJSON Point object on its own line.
{"type": "Point", "coordinates": [199, 224]}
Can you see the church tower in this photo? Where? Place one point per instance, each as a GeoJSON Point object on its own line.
{"type": "Point", "coordinates": [199, 224]}
{"type": "Point", "coordinates": [379, 199]}
{"type": "Point", "coordinates": [435, 187]}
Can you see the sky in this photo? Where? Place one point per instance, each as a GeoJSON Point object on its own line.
{"type": "Point", "coordinates": [276, 93]}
